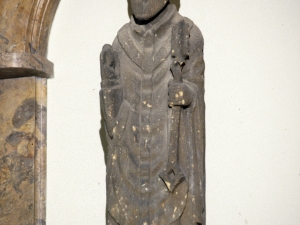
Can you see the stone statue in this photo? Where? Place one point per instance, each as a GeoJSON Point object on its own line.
{"type": "Point", "coordinates": [152, 100]}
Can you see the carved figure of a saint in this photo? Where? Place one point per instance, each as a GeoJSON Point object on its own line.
{"type": "Point", "coordinates": [152, 100]}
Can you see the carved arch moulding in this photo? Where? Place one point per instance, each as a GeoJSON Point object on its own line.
{"type": "Point", "coordinates": [24, 68]}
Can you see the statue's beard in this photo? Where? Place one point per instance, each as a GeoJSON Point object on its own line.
{"type": "Point", "coordinates": [146, 9]}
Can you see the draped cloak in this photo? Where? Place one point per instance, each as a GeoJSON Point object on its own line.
{"type": "Point", "coordinates": [138, 127]}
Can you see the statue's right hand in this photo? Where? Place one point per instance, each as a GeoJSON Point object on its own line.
{"type": "Point", "coordinates": [109, 62]}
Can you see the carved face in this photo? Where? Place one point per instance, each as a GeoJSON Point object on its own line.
{"type": "Point", "coordinates": [145, 9]}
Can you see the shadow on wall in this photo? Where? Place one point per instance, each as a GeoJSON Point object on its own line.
{"type": "Point", "coordinates": [175, 2]}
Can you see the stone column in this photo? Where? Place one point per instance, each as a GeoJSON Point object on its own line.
{"type": "Point", "coordinates": [24, 30]}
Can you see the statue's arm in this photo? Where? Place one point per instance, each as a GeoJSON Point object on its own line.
{"type": "Point", "coordinates": [111, 94]}
{"type": "Point", "coordinates": [193, 72]}
{"type": "Point", "coordinates": [193, 76]}
{"type": "Point", "coordinates": [186, 92]}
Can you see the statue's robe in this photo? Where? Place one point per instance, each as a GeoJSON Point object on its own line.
{"type": "Point", "coordinates": [137, 118]}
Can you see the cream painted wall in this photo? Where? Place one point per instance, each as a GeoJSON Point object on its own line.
{"type": "Point", "coordinates": [252, 54]}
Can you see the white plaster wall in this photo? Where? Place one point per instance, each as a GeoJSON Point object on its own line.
{"type": "Point", "coordinates": [252, 54]}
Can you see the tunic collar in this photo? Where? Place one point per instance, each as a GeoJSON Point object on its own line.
{"type": "Point", "coordinates": [157, 24]}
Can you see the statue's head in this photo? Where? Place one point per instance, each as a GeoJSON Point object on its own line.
{"type": "Point", "coordinates": [146, 9]}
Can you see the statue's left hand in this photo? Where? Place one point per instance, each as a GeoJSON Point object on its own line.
{"type": "Point", "coordinates": [180, 94]}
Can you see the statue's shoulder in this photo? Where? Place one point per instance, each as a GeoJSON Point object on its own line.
{"type": "Point", "coordinates": [123, 32]}
{"type": "Point", "coordinates": [195, 31]}
{"type": "Point", "coordinates": [121, 35]}
{"type": "Point", "coordinates": [196, 37]}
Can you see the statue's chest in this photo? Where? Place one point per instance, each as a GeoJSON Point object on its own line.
{"type": "Point", "coordinates": [145, 71]}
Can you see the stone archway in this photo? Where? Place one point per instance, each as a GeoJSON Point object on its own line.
{"type": "Point", "coordinates": [24, 31]}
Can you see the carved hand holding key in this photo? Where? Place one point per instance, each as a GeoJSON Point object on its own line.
{"type": "Point", "coordinates": [180, 94]}
{"type": "Point", "coordinates": [152, 100]}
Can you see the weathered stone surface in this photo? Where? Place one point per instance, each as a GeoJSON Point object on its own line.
{"type": "Point", "coordinates": [25, 25]}
{"type": "Point", "coordinates": [17, 147]}
{"type": "Point", "coordinates": [13, 27]}
{"type": "Point", "coordinates": [24, 28]}
{"type": "Point", "coordinates": [23, 151]}
{"type": "Point", "coordinates": [40, 157]}
{"type": "Point", "coordinates": [152, 101]}
{"type": "Point", "coordinates": [14, 65]}
{"type": "Point", "coordinates": [24, 31]}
